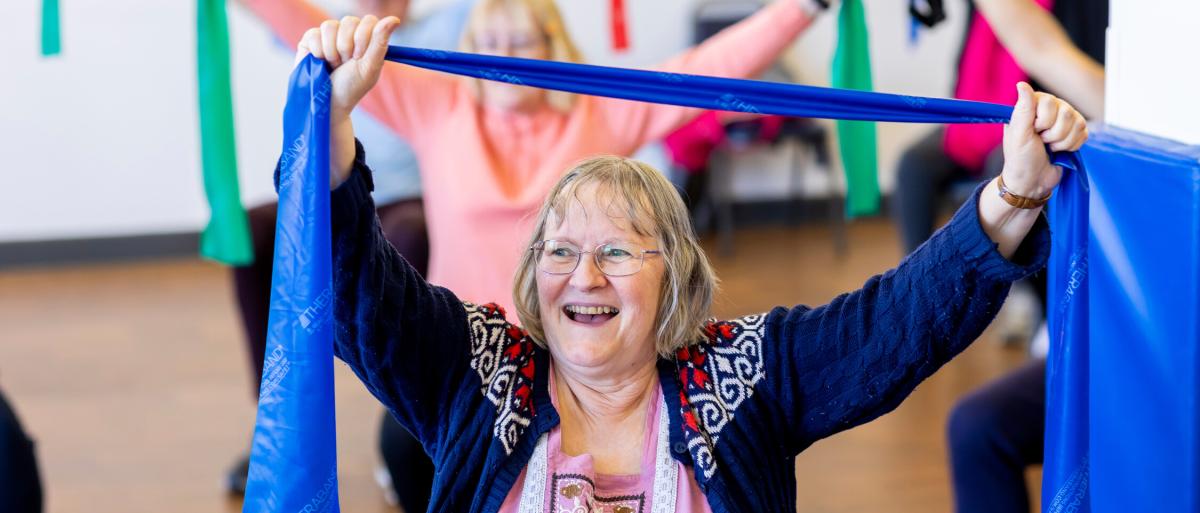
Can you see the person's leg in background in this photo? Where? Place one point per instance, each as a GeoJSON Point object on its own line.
{"type": "Point", "coordinates": [409, 468]}
{"type": "Point", "coordinates": [20, 485]}
{"type": "Point", "coordinates": [252, 285]}
{"type": "Point", "coordinates": [922, 176]}
{"type": "Point", "coordinates": [403, 224]}
{"type": "Point", "coordinates": [993, 434]}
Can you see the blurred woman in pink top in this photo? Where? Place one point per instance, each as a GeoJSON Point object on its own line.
{"type": "Point", "coordinates": [489, 152]}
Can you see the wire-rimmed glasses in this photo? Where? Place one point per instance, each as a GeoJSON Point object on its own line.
{"type": "Point", "coordinates": [613, 258]}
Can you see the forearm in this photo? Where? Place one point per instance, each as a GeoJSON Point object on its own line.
{"type": "Point", "coordinates": [1074, 76]}
{"type": "Point", "coordinates": [1005, 224]}
{"type": "Point", "coordinates": [859, 356]}
{"type": "Point", "coordinates": [287, 19]}
{"type": "Point", "coordinates": [390, 324]}
{"type": "Point", "coordinates": [1044, 50]}
{"type": "Point", "coordinates": [750, 46]}
{"type": "Point", "coordinates": [743, 50]}
{"type": "Point", "coordinates": [341, 149]}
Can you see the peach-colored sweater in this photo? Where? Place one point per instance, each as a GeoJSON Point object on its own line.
{"type": "Point", "coordinates": [486, 172]}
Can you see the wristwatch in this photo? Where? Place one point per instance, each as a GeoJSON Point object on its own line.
{"type": "Point", "coordinates": [1017, 200]}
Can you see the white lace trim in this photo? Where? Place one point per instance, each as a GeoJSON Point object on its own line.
{"type": "Point", "coordinates": [533, 492]}
{"type": "Point", "coordinates": [666, 470]}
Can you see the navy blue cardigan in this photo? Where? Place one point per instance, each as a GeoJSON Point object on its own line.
{"type": "Point", "coordinates": [472, 387]}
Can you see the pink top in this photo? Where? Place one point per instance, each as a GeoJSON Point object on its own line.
{"type": "Point", "coordinates": [986, 73]}
{"type": "Point", "coordinates": [575, 486]}
{"type": "Point", "coordinates": [484, 173]}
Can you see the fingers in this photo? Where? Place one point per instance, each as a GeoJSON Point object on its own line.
{"type": "Point", "coordinates": [1025, 111]}
{"type": "Point", "coordinates": [1065, 120]}
{"type": "Point", "coordinates": [337, 42]}
{"type": "Point", "coordinates": [1055, 121]}
{"type": "Point", "coordinates": [1047, 111]}
{"type": "Point", "coordinates": [379, 39]}
{"type": "Point", "coordinates": [1067, 128]}
{"type": "Point", "coordinates": [345, 38]}
{"type": "Point", "coordinates": [362, 35]}
{"type": "Point", "coordinates": [1073, 140]}
{"type": "Point", "coordinates": [329, 32]}
{"type": "Point", "coordinates": [310, 42]}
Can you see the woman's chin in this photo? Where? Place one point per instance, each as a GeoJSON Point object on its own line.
{"type": "Point", "coordinates": [585, 353]}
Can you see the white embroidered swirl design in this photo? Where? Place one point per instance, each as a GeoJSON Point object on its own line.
{"type": "Point", "coordinates": [733, 365]}
{"type": "Point", "coordinates": [491, 334]}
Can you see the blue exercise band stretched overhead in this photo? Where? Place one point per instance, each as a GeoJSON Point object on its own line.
{"type": "Point", "coordinates": [705, 92]}
{"type": "Point", "coordinates": [714, 93]}
{"type": "Point", "coordinates": [293, 459]}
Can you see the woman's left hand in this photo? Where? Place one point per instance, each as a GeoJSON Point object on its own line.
{"type": "Point", "coordinates": [1040, 123]}
{"type": "Point", "coordinates": [1039, 120]}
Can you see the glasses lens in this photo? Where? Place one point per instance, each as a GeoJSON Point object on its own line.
{"type": "Point", "coordinates": [619, 259]}
{"type": "Point", "coordinates": [557, 257]}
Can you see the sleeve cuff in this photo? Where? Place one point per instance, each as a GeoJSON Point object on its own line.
{"type": "Point", "coordinates": [965, 234]}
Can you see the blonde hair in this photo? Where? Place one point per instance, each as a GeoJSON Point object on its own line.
{"type": "Point", "coordinates": [547, 19]}
{"type": "Point", "coordinates": [641, 195]}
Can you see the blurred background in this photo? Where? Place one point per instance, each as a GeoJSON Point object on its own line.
{"type": "Point", "coordinates": [122, 351]}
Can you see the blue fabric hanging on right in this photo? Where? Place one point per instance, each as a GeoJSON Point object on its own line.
{"type": "Point", "coordinates": [1122, 419]}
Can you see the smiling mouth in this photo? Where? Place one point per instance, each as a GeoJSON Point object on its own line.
{"type": "Point", "coordinates": [590, 314]}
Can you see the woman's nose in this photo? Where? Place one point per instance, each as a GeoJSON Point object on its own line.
{"type": "Point", "coordinates": [587, 274]}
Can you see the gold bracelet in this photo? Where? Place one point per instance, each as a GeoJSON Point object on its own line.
{"type": "Point", "coordinates": [1020, 201]}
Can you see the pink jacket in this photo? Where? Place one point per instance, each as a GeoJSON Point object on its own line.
{"type": "Point", "coordinates": [485, 173]}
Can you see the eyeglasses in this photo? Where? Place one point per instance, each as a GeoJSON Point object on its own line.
{"type": "Point", "coordinates": [613, 259]}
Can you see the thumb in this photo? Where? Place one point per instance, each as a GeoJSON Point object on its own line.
{"type": "Point", "coordinates": [380, 37]}
{"type": "Point", "coordinates": [1025, 111]}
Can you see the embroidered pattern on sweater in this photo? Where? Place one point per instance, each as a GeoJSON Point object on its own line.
{"type": "Point", "coordinates": [576, 493]}
{"type": "Point", "coordinates": [502, 354]}
{"type": "Point", "coordinates": [716, 377]}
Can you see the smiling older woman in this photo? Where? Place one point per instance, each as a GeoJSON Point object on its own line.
{"type": "Point", "coordinates": [619, 394]}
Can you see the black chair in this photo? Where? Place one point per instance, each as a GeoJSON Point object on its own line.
{"type": "Point", "coordinates": [800, 134]}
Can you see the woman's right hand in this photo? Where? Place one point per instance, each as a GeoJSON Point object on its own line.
{"type": "Point", "coordinates": [354, 49]}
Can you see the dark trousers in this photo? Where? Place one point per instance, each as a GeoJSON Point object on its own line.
{"type": "Point", "coordinates": [20, 486]}
{"type": "Point", "coordinates": [406, 461]}
{"type": "Point", "coordinates": [994, 433]}
{"type": "Point", "coordinates": [924, 177]}
{"type": "Point", "coordinates": [403, 225]}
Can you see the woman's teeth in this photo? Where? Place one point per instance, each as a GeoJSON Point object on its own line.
{"type": "Point", "coordinates": [591, 310]}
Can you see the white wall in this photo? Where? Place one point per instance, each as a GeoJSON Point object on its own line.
{"type": "Point", "coordinates": [1152, 80]}
{"type": "Point", "coordinates": [101, 140]}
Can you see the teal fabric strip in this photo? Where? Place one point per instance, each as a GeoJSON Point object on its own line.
{"type": "Point", "coordinates": [226, 239]}
{"type": "Point", "coordinates": [51, 38]}
{"type": "Point", "coordinates": [856, 139]}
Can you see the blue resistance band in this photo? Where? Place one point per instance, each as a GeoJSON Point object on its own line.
{"type": "Point", "coordinates": [730, 94]}
{"type": "Point", "coordinates": [705, 92]}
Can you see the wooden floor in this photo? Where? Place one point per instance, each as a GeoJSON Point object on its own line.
{"type": "Point", "coordinates": [133, 380]}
